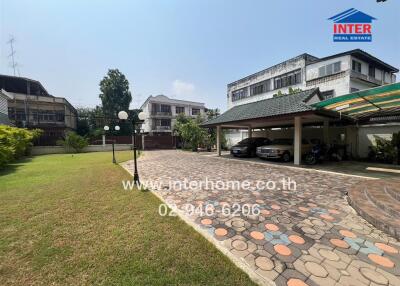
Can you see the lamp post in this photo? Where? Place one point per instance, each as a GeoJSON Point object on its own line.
{"type": "Point", "coordinates": [107, 128]}
{"type": "Point", "coordinates": [123, 115]}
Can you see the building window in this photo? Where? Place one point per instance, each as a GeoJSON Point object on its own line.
{"type": "Point", "coordinates": [337, 67]}
{"type": "Point", "coordinates": [165, 122]}
{"type": "Point", "coordinates": [260, 87]}
{"type": "Point", "coordinates": [179, 109]}
{"type": "Point", "coordinates": [327, 94]}
{"type": "Point", "coordinates": [239, 94]}
{"type": "Point", "coordinates": [329, 69]}
{"type": "Point", "coordinates": [162, 124]}
{"type": "Point", "coordinates": [288, 79]}
{"type": "Point", "coordinates": [165, 108]}
{"type": "Point", "coordinates": [356, 66]}
{"type": "Point", "coordinates": [195, 111]}
{"type": "Point", "coordinates": [371, 71]}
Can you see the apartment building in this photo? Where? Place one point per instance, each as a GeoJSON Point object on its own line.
{"type": "Point", "coordinates": [31, 106]}
{"type": "Point", "coordinates": [334, 75]}
{"type": "Point", "coordinates": [161, 112]}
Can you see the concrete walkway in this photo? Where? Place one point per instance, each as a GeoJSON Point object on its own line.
{"type": "Point", "coordinates": [286, 233]}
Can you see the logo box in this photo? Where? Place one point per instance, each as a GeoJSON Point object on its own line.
{"type": "Point", "coordinates": [352, 26]}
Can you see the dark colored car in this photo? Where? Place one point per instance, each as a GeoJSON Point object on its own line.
{"type": "Point", "coordinates": [248, 146]}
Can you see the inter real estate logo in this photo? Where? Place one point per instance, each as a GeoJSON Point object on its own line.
{"type": "Point", "coordinates": [352, 26]}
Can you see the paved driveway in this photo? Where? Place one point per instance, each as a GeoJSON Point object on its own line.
{"type": "Point", "coordinates": [305, 235]}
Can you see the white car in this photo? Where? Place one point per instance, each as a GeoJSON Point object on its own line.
{"type": "Point", "coordinates": [282, 148]}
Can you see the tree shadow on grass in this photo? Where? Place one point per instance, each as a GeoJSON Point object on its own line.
{"type": "Point", "coordinates": [13, 167]}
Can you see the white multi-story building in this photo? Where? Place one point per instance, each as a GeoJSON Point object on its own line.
{"type": "Point", "coordinates": [334, 75]}
{"type": "Point", "coordinates": [161, 112]}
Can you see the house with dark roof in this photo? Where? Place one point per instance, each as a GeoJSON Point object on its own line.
{"type": "Point", "coordinates": [31, 106]}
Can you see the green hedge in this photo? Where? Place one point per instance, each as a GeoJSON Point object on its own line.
{"type": "Point", "coordinates": [15, 143]}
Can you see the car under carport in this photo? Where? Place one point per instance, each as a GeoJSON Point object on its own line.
{"type": "Point", "coordinates": [295, 112]}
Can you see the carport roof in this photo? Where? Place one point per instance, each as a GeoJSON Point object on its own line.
{"type": "Point", "coordinates": [382, 100]}
{"type": "Point", "coordinates": [281, 105]}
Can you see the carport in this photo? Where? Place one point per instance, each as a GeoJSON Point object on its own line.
{"type": "Point", "coordinates": [294, 110]}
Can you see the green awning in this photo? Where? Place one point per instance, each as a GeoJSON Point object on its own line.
{"type": "Point", "coordinates": [380, 100]}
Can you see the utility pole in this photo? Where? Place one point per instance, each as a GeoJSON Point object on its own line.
{"type": "Point", "coordinates": [11, 55]}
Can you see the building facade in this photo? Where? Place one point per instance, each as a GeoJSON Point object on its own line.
{"type": "Point", "coordinates": [31, 106]}
{"type": "Point", "coordinates": [161, 112]}
{"type": "Point", "coordinates": [334, 75]}
{"type": "Point", "coordinates": [4, 108]}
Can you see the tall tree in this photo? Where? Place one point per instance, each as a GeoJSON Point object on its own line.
{"type": "Point", "coordinates": [115, 95]}
{"type": "Point", "coordinates": [212, 113]}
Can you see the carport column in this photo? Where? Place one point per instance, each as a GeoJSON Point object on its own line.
{"type": "Point", "coordinates": [219, 140]}
{"type": "Point", "coordinates": [326, 131]}
{"type": "Point", "coordinates": [249, 132]}
{"type": "Point", "coordinates": [297, 140]}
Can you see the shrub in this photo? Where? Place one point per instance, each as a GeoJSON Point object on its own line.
{"type": "Point", "coordinates": [74, 141]}
{"type": "Point", "coordinates": [15, 143]}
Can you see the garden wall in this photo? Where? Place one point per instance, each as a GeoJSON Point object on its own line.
{"type": "Point", "coordinates": [42, 150]}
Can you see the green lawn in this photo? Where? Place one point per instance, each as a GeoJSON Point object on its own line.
{"type": "Point", "coordinates": [65, 220]}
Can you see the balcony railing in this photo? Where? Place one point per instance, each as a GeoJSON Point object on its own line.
{"type": "Point", "coordinates": [365, 77]}
{"type": "Point", "coordinates": [161, 128]}
{"type": "Point", "coordinates": [162, 113]}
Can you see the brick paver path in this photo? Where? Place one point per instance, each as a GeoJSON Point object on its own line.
{"type": "Point", "coordinates": [307, 236]}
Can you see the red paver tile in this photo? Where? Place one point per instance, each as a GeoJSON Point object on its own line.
{"type": "Point", "coordinates": [381, 260]}
{"type": "Point", "coordinates": [282, 249]}
{"type": "Point", "coordinates": [257, 235]}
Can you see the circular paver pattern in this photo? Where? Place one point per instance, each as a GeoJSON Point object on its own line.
{"type": "Point", "coordinates": [272, 227]}
{"type": "Point", "coordinates": [221, 232]}
{"type": "Point", "coordinates": [329, 254]}
{"type": "Point", "coordinates": [296, 239]}
{"type": "Point", "coordinates": [380, 260]}
{"type": "Point", "coordinates": [206, 221]}
{"type": "Point", "coordinates": [282, 249]}
{"type": "Point", "coordinates": [347, 233]}
{"type": "Point", "coordinates": [316, 269]}
{"type": "Point", "coordinates": [257, 235]}
{"type": "Point", "coordinates": [264, 263]}
{"type": "Point", "coordinates": [239, 245]}
{"type": "Point", "coordinates": [304, 216]}
{"type": "Point", "coordinates": [374, 276]}
{"type": "Point", "coordinates": [295, 282]}
{"type": "Point", "coordinates": [339, 243]}
{"type": "Point", "coordinates": [386, 248]}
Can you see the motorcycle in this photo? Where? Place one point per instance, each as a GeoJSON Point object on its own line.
{"type": "Point", "coordinates": [319, 152]}
{"type": "Point", "coordinates": [316, 155]}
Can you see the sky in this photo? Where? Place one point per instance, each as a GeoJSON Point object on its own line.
{"type": "Point", "coordinates": [184, 49]}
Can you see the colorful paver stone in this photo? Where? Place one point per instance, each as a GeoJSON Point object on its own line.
{"type": "Point", "coordinates": [309, 236]}
{"type": "Point", "coordinates": [257, 235]}
{"type": "Point", "coordinates": [282, 249]}
{"type": "Point", "coordinates": [221, 231]}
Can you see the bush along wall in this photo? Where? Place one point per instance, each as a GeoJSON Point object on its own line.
{"type": "Point", "coordinates": [15, 143]}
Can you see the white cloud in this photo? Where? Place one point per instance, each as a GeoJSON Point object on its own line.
{"type": "Point", "coordinates": [182, 89]}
